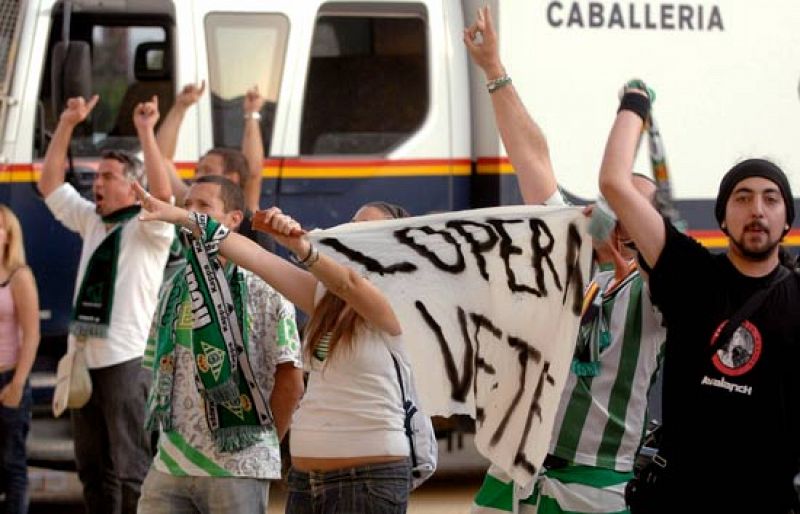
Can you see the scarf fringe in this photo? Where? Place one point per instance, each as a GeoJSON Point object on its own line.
{"type": "Point", "coordinates": [234, 439]}
{"type": "Point", "coordinates": [87, 329]}
{"type": "Point", "coordinates": [586, 369]}
{"type": "Point", "coordinates": [225, 392]}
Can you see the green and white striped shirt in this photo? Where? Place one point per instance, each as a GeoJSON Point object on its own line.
{"type": "Point", "coordinates": [188, 449]}
{"type": "Point", "coordinates": [601, 419]}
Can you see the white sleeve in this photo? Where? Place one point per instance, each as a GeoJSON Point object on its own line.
{"type": "Point", "coordinates": [556, 199]}
{"type": "Point", "coordinates": [71, 209]}
{"type": "Point", "coordinates": [158, 232]}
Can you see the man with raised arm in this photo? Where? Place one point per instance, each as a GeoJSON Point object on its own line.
{"type": "Point", "coordinates": [730, 441]}
{"type": "Point", "coordinates": [218, 455]}
{"type": "Point", "coordinates": [242, 168]}
{"type": "Point", "coordinates": [524, 141]}
{"type": "Point", "coordinates": [602, 413]}
{"type": "Point", "coordinates": [120, 270]}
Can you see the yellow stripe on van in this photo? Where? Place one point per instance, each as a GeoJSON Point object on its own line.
{"type": "Point", "coordinates": [319, 169]}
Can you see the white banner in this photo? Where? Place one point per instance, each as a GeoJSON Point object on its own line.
{"type": "Point", "coordinates": [489, 301]}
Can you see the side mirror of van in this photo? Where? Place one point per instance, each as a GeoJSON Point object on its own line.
{"type": "Point", "coordinates": [70, 73]}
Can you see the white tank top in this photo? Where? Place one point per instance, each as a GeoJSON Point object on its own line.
{"type": "Point", "coordinates": [352, 406]}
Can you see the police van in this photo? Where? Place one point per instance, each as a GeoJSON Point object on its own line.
{"type": "Point", "coordinates": [374, 99]}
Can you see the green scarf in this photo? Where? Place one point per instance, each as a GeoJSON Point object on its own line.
{"type": "Point", "coordinates": [201, 311]}
{"type": "Point", "coordinates": [592, 333]}
{"type": "Point", "coordinates": [92, 311]}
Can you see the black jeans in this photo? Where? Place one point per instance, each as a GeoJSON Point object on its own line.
{"type": "Point", "coordinates": [112, 448]}
{"type": "Point", "coordinates": [14, 426]}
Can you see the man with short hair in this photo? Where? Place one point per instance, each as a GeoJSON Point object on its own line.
{"type": "Point", "coordinates": [602, 412]}
{"type": "Point", "coordinates": [241, 167]}
{"type": "Point", "coordinates": [119, 274]}
{"type": "Point", "coordinates": [218, 454]}
{"type": "Point", "coordinates": [730, 433]}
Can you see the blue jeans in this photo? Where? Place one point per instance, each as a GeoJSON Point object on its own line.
{"type": "Point", "coordinates": [371, 489]}
{"type": "Point", "coordinates": [14, 425]}
{"type": "Point", "coordinates": [167, 494]}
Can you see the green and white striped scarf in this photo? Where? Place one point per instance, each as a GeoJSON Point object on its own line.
{"type": "Point", "coordinates": [206, 308]}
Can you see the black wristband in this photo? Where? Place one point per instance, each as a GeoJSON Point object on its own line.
{"type": "Point", "coordinates": [637, 103]}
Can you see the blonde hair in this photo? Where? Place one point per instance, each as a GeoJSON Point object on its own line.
{"type": "Point", "coordinates": [14, 252]}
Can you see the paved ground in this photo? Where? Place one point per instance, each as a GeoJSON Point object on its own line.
{"type": "Point", "coordinates": [449, 492]}
{"type": "Point", "coordinates": [445, 495]}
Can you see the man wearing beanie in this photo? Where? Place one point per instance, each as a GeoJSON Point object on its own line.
{"type": "Point", "coordinates": [731, 397]}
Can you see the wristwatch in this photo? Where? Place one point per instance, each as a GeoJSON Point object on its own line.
{"type": "Point", "coordinates": [252, 115]}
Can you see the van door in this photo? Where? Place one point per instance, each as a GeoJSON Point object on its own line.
{"type": "Point", "coordinates": [132, 58]}
{"type": "Point", "coordinates": [372, 117]}
{"type": "Point", "coordinates": [12, 17]}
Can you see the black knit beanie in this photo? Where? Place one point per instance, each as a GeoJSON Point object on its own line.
{"type": "Point", "coordinates": [754, 168]}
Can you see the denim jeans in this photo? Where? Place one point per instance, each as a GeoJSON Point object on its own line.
{"type": "Point", "coordinates": [14, 425]}
{"type": "Point", "coordinates": [167, 494]}
{"type": "Point", "coordinates": [112, 448]}
{"type": "Point", "coordinates": [371, 489]}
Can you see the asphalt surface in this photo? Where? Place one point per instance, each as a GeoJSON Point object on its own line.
{"type": "Point", "coordinates": [450, 491]}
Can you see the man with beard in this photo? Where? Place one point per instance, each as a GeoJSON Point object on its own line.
{"type": "Point", "coordinates": [730, 425]}
{"type": "Point", "coordinates": [121, 265]}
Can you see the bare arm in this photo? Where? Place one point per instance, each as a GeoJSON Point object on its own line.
{"type": "Point", "coordinates": [167, 137]}
{"type": "Point", "coordinates": [523, 139]}
{"type": "Point", "coordinates": [345, 282]}
{"type": "Point", "coordinates": [297, 285]}
{"type": "Point", "coordinates": [286, 395]}
{"type": "Point", "coordinates": [53, 171]}
{"type": "Point", "coordinates": [637, 214]}
{"type": "Point", "coordinates": [26, 302]}
{"type": "Point", "coordinates": [145, 117]}
{"type": "Point", "coordinates": [253, 147]}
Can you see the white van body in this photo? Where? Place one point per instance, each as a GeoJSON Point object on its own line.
{"type": "Point", "coordinates": [377, 99]}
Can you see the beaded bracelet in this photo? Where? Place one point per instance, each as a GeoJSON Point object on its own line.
{"type": "Point", "coordinates": [495, 84]}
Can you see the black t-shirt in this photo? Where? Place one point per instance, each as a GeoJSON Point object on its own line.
{"type": "Point", "coordinates": [731, 415]}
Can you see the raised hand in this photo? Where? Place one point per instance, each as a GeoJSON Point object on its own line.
{"type": "Point", "coordinates": [638, 86]}
{"type": "Point", "coordinates": [283, 228]}
{"type": "Point", "coordinates": [78, 109]}
{"type": "Point", "coordinates": [157, 210]}
{"type": "Point", "coordinates": [145, 115]}
{"type": "Point", "coordinates": [190, 94]}
{"type": "Point", "coordinates": [484, 51]}
{"type": "Point", "coordinates": [253, 101]}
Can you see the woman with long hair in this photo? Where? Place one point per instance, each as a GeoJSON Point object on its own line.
{"type": "Point", "coordinates": [19, 339]}
{"type": "Point", "coordinates": [348, 445]}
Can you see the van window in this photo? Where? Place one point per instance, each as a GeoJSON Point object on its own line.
{"type": "Point", "coordinates": [367, 84]}
{"type": "Point", "coordinates": [244, 50]}
{"type": "Point", "coordinates": [130, 63]}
